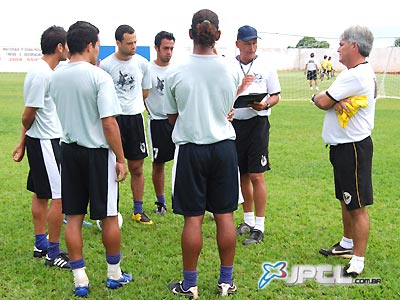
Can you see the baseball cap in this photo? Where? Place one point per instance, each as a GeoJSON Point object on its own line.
{"type": "Point", "coordinates": [247, 33]}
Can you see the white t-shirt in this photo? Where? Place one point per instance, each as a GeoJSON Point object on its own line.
{"type": "Point", "coordinates": [202, 91]}
{"type": "Point", "coordinates": [155, 100]}
{"type": "Point", "coordinates": [36, 94]}
{"type": "Point", "coordinates": [356, 81]}
{"type": "Point", "coordinates": [130, 78]}
{"type": "Point", "coordinates": [84, 94]}
{"type": "Point", "coordinates": [266, 82]}
{"type": "Point", "coordinates": [311, 64]}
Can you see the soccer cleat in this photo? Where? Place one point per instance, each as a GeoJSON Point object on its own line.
{"type": "Point", "coordinates": [61, 261]}
{"type": "Point", "coordinates": [142, 218]}
{"type": "Point", "coordinates": [37, 253]}
{"type": "Point", "coordinates": [161, 208]}
{"type": "Point", "coordinates": [337, 250]}
{"type": "Point", "coordinates": [177, 289]}
{"type": "Point", "coordinates": [255, 237]}
{"type": "Point", "coordinates": [243, 228]}
{"type": "Point", "coordinates": [84, 223]}
{"type": "Point", "coordinates": [350, 271]}
{"type": "Point", "coordinates": [81, 290]}
{"type": "Point", "coordinates": [225, 289]}
{"type": "Point", "coordinates": [114, 284]}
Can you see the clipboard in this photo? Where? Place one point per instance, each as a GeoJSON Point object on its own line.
{"type": "Point", "coordinates": [245, 100]}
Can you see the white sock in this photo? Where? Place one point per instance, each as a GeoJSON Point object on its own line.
{"type": "Point", "coordinates": [346, 243]}
{"type": "Point", "coordinates": [80, 277]}
{"type": "Point", "coordinates": [249, 218]}
{"type": "Point", "coordinates": [114, 271]}
{"type": "Point", "coordinates": [358, 263]}
{"type": "Point", "coordinates": [259, 223]}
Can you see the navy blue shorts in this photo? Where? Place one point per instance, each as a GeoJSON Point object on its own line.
{"type": "Point", "coordinates": [205, 177]}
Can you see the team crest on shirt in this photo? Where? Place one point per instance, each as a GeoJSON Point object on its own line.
{"type": "Point", "coordinates": [263, 160]}
{"type": "Point", "coordinates": [347, 198]}
{"type": "Point", "coordinates": [126, 82]}
{"type": "Point", "coordinates": [258, 77]}
{"type": "Point", "coordinates": [160, 86]}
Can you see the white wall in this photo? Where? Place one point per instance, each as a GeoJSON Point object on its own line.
{"type": "Point", "coordinates": [19, 59]}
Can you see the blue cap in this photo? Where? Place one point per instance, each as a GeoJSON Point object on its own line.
{"type": "Point", "coordinates": [247, 33]}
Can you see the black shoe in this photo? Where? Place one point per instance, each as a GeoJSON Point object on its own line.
{"type": "Point", "coordinates": [243, 228]}
{"type": "Point", "coordinates": [226, 289]}
{"type": "Point", "coordinates": [337, 250]}
{"type": "Point", "coordinates": [255, 237]}
{"type": "Point", "coordinates": [161, 208]}
{"type": "Point", "coordinates": [61, 261]}
{"type": "Point", "coordinates": [349, 271]}
{"type": "Point", "coordinates": [177, 289]}
{"type": "Point", "coordinates": [37, 253]}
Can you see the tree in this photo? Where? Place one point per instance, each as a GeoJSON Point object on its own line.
{"type": "Point", "coordinates": [311, 42]}
{"type": "Point", "coordinates": [397, 42]}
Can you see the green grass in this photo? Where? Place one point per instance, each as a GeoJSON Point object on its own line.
{"type": "Point", "coordinates": [301, 217]}
{"type": "Point", "coordinates": [295, 86]}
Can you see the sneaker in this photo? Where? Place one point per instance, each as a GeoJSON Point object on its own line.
{"type": "Point", "coordinates": [84, 223]}
{"type": "Point", "coordinates": [177, 289]}
{"type": "Point", "coordinates": [142, 218]}
{"type": "Point", "coordinates": [316, 88]}
{"type": "Point", "coordinates": [311, 88]}
{"type": "Point", "coordinates": [225, 289]}
{"type": "Point", "coordinates": [255, 237]}
{"type": "Point", "coordinates": [337, 250]}
{"type": "Point", "coordinates": [114, 284]}
{"type": "Point", "coordinates": [350, 271]}
{"type": "Point", "coordinates": [81, 291]}
{"type": "Point", "coordinates": [161, 208]}
{"type": "Point", "coordinates": [37, 253]}
{"type": "Point", "coordinates": [243, 228]}
{"type": "Point", "coordinates": [61, 261]}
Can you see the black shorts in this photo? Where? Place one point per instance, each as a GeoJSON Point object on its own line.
{"type": "Point", "coordinates": [161, 144]}
{"type": "Point", "coordinates": [133, 136]}
{"type": "Point", "coordinates": [252, 139]}
{"type": "Point", "coordinates": [352, 166]}
{"type": "Point", "coordinates": [44, 167]}
{"type": "Point", "coordinates": [205, 177]}
{"type": "Point", "coordinates": [312, 75]}
{"type": "Point", "coordinates": [88, 175]}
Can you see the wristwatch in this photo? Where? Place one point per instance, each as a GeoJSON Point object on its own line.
{"type": "Point", "coordinates": [268, 106]}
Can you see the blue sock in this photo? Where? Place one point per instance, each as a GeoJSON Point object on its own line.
{"type": "Point", "coordinates": [54, 249]}
{"type": "Point", "coordinates": [225, 274]}
{"type": "Point", "coordinates": [77, 264]}
{"type": "Point", "coordinates": [113, 259]}
{"type": "Point", "coordinates": [41, 241]}
{"type": "Point", "coordinates": [161, 199]}
{"type": "Point", "coordinates": [189, 279]}
{"type": "Point", "coordinates": [137, 206]}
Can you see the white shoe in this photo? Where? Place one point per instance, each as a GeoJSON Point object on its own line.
{"type": "Point", "coordinates": [317, 88]}
{"type": "Point", "coordinates": [310, 88]}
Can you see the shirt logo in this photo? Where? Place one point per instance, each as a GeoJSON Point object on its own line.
{"type": "Point", "coordinates": [125, 82]}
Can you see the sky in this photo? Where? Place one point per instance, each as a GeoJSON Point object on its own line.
{"type": "Point", "coordinates": [280, 23]}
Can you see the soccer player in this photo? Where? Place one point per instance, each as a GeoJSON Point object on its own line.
{"type": "Point", "coordinates": [252, 132]}
{"type": "Point", "coordinates": [41, 132]}
{"type": "Point", "coordinates": [159, 128]}
{"type": "Point", "coordinates": [201, 92]}
{"type": "Point", "coordinates": [350, 143]}
{"type": "Point", "coordinates": [132, 81]}
{"type": "Point", "coordinates": [92, 158]}
{"type": "Point", "coordinates": [311, 70]}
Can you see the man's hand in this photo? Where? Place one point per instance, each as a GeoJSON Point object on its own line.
{"type": "Point", "coordinates": [121, 170]}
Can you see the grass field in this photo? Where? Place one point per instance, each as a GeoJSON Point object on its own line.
{"type": "Point", "coordinates": [301, 217]}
